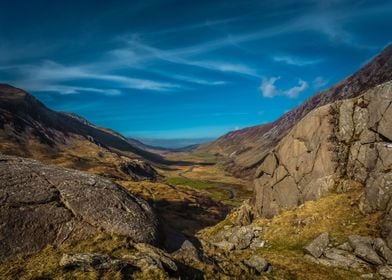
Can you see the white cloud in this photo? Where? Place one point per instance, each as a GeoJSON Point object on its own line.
{"type": "Point", "coordinates": [296, 90]}
{"type": "Point", "coordinates": [269, 89]}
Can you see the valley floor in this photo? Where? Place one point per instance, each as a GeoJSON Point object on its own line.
{"type": "Point", "coordinates": [199, 200]}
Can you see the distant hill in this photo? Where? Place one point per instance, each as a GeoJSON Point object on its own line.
{"type": "Point", "coordinates": [29, 129]}
{"type": "Point", "coordinates": [175, 143]}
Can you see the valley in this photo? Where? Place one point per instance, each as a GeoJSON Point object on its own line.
{"type": "Point", "coordinates": [307, 196]}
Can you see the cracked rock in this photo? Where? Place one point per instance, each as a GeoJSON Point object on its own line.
{"type": "Point", "coordinates": [51, 205]}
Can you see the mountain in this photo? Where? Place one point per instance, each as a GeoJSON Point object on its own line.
{"type": "Point", "coordinates": [28, 128]}
{"type": "Point", "coordinates": [243, 150]}
{"type": "Point", "coordinates": [322, 182]}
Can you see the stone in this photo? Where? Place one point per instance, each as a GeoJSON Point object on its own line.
{"type": "Point", "coordinates": [160, 258]}
{"type": "Point", "coordinates": [90, 262]}
{"type": "Point", "coordinates": [383, 250]}
{"type": "Point", "coordinates": [257, 243]}
{"type": "Point", "coordinates": [340, 258]}
{"type": "Point", "coordinates": [188, 252]}
{"type": "Point", "coordinates": [345, 247]}
{"type": "Point", "coordinates": [55, 205]}
{"type": "Point", "coordinates": [258, 263]}
{"type": "Point", "coordinates": [385, 271]}
{"type": "Point", "coordinates": [363, 248]}
{"type": "Point", "coordinates": [355, 240]}
{"type": "Point", "coordinates": [318, 245]}
{"type": "Point", "coordinates": [244, 214]}
{"type": "Point", "coordinates": [224, 245]}
{"type": "Point", "coordinates": [242, 237]}
{"type": "Point", "coordinates": [367, 253]}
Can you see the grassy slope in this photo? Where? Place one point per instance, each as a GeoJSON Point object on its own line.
{"type": "Point", "coordinates": [287, 234]}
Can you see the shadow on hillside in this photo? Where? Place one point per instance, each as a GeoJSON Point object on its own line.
{"type": "Point", "coordinates": [181, 220]}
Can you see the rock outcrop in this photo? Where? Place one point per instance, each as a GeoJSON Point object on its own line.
{"type": "Point", "coordinates": [238, 238]}
{"type": "Point", "coordinates": [42, 205]}
{"type": "Point", "coordinates": [346, 142]}
{"type": "Point", "coordinates": [360, 253]}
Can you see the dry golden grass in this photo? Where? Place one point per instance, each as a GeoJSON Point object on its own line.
{"type": "Point", "coordinates": [45, 264]}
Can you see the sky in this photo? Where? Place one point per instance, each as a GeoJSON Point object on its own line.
{"type": "Point", "coordinates": [185, 69]}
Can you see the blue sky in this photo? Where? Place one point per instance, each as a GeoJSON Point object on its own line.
{"type": "Point", "coordinates": [185, 69]}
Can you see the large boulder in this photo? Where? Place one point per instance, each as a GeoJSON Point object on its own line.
{"type": "Point", "coordinates": [41, 205]}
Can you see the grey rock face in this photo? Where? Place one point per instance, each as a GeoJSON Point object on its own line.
{"type": "Point", "coordinates": [348, 140]}
{"type": "Point", "coordinates": [43, 205]}
{"type": "Point", "coordinates": [318, 245]}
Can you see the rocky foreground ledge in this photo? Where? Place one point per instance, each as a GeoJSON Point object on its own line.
{"type": "Point", "coordinates": [42, 205]}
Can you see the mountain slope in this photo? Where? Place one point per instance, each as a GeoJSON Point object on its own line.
{"type": "Point", "coordinates": [244, 149]}
{"type": "Point", "coordinates": [28, 128]}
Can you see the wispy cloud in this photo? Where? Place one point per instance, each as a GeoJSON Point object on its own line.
{"type": "Point", "coordinates": [319, 82]}
{"type": "Point", "coordinates": [294, 60]}
{"type": "Point", "coordinates": [183, 56]}
{"type": "Point", "coordinates": [198, 81]}
{"type": "Point", "coordinates": [48, 76]}
{"type": "Point", "coordinates": [200, 25]}
{"type": "Point", "coordinates": [269, 89]}
{"type": "Point", "coordinates": [64, 89]}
